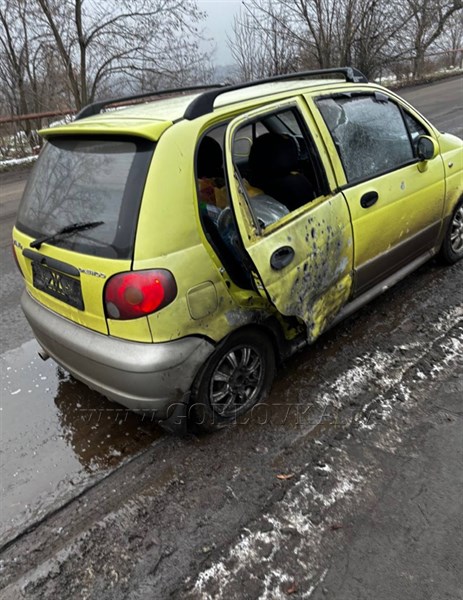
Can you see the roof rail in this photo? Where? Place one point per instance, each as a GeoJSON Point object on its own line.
{"type": "Point", "coordinates": [204, 103]}
{"type": "Point", "coordinates": [96, 107]}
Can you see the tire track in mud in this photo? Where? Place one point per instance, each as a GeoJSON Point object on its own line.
{"type": "Point", "coordinates": [287, 544]}
{"type": "Point", "coordinates": [159, 518]}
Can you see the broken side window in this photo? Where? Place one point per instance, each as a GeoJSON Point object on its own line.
{"type": "Point", "coordinates": [369, 133]}
{"type": "Point", "coordinates": [280, 172]}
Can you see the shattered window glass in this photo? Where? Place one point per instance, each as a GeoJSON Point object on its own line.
{"type": "Point", "coordinates": [369, 133]}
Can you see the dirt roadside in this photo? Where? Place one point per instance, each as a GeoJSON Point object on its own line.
{"type": "Point", "coordinates": [378, 513]}
{"type": "Point", "coordinates": [375, 397]}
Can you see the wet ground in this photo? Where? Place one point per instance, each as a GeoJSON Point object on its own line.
{"type": "Point", "coordinates": [183, 507]}
{"type": "Point", "coordinates": [59, 437]}
{"type": "Point", "coordinates": [97, 502]}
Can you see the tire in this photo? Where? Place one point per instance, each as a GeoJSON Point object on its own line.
{"type": "Point", "coordinates": [452, 246]}
{"type": "Point", "coordinates": [237, 376]}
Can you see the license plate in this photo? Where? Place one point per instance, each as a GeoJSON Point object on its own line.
{"type": "Point", "coordinates": [58, 285]}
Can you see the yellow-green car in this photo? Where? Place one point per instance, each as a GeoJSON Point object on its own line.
{"type": "Point", "coordinates": [175, 251]}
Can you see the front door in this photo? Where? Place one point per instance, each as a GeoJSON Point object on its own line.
{"type": "Point", "coordinates": [295, 230]}
{"type": "Point", "coordinates": [395, 201]}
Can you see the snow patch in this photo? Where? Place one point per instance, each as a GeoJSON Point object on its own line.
{"type": "Point", "coordinates": [13, 162]}
{"type": "Point", "coordinates": [295, 516]}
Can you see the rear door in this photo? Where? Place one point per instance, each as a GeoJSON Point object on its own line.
{"type": "Point", "coordinates": [303, 261]}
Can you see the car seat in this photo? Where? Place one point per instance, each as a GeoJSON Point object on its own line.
{"type": "Point", "coordinates": [210, 158]}
{"type": "Point", "coordinates": [273, 161]}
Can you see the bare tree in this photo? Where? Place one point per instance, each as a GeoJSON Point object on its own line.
{"type": "Point", "coordinates": [373, 35]}
{"type": "Point", "coordinates": [280, 37]}
{"type": "Point", "coordinates": [247, 49]}
{"type": "Point", "coordinates": [347, 32]}
{"type": "Point", "coordinates": [373, 32]}
{"type": "Point", "coordinates": [451, 41]}
{"type": "Point", "coordinates": [428, 18]}
{"type": "Point", "coordinates": [262, 43]}
{"type": "Point", "coordinates": [16, 50]}
{"type": "Point", "coordinates": [99, 42]}
{"type": "Point", "coordinates": [27, 67]}
{"type": "Point", "coordinates": [185, 64]}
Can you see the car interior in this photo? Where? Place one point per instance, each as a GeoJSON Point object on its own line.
{"type": "Point", "coordinates": [279, 169]}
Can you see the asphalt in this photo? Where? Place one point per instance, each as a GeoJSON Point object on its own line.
{"type": "Point", "coordinates": [441, 102]}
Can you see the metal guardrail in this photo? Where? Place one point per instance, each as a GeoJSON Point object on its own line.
{"type": "Point", "coordinates": [35, 116]}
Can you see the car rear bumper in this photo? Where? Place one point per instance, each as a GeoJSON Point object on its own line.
{"type": "Point", "coordinates": [154, 377]}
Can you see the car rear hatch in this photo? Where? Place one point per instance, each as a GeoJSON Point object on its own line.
{"type": "Point", "coordinates": [77, 221]}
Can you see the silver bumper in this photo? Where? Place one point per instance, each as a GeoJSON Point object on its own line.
{"type": "Point", "coordinates": [139, 376]}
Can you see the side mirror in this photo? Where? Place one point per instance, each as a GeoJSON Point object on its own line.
{"type": "Point", "coordinates": [426, 148]}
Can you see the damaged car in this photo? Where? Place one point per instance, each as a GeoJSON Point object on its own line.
{"type": "Point", "coordinates": [176, 250]}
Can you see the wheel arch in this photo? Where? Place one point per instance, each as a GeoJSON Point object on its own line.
{"type": "Point", "coordinates": [201, 414]}
{"type": "Point", "coordinates": [273, 330]}
{"type": "Point", "coordinates": [444, 253]}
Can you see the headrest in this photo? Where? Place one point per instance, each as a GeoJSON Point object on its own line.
{"type": "Point", "coordinates": [210, 158]}
{"type": "Point", "coordinates": [273, 155]}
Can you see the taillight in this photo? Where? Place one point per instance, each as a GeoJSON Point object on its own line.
{"type": "Point", "coordinates": [16, 259]}
{"type": "Point", "coordinates": [138, 293]}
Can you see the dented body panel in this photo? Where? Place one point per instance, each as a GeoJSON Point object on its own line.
{"type": "Point", "coordinates": [317, 282]}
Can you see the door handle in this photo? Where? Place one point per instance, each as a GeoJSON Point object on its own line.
{"type": "Point", "coordinates": [369, 199]}
{"type": "Point", "coordinates": [281, 257]}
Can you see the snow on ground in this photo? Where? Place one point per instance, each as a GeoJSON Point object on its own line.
{"type": "Point", "coordinates": [64, 121]}
{"type": "Point", "coordinates": [14, 162]}
{"type": "Point", "coordinates": [303, 498]}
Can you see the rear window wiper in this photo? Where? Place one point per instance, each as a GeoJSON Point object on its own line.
{"type": "Point", "coordinates": [65, 231]}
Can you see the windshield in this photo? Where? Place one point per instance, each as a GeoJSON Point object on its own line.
{"type": "Point", "coordinates": [80, 180]}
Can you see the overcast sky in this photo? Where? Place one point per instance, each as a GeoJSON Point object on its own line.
{"type": "Point", "coordinates": [218, 24]}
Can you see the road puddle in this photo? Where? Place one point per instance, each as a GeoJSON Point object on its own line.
{"type": "Point", "coordinates": [57, 437]}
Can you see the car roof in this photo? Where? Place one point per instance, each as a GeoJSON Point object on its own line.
{"type": "Point", "coordinates": [173, 108]}
{"type": "Point", "coordinates": [151, 119]}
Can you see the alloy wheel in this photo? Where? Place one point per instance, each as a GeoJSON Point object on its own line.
{"type": "Point", "coordinates": [236, 381]}
{"type": "Point", "coordinates": [456, 231]}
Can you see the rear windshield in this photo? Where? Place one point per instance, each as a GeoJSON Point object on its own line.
{"type": "Point", "coordinates": [87, 180]}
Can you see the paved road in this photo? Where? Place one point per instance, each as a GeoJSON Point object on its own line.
{"type": "Point", "coordinates": [101, 504]}
{"type": "Point", "coordinates": [12, 185]}
{"type": "Point", "coordinates": [441, 102]}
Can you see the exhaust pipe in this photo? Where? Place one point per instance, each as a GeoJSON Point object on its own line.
{"type": "Point", "coordinates": [43, 354]}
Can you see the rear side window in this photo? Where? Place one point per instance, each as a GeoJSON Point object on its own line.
{"type": "Point", "coordinates": [83, 180]}
{"type": "Point", "coordinates": [369, 133]}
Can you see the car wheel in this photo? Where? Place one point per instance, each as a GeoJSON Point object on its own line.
{"type": "Point", "coordinates": [237, 376]}
{"type": "Point", "coordinates": [452, 246]}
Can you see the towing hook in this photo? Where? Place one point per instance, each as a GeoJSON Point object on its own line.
{"type": "Point", "coordinates": [43, 354]}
